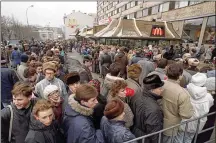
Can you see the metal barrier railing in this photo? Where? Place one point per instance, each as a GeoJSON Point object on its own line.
{"type": "Point", "coordinates": [142, 138]}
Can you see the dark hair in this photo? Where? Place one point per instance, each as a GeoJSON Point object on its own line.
{"type": "Point", "coordinates": [114, 69]}
{"type": "Point", "coordinates": [15, 48]}
{"type": "Point", "coordinates": [205, 69]}
{"type": "Point", "coordinates": [49, 53]}
{"type": "Point", "coordinates": [174, 71]}
{"type": "Point", "coordinates": [162, 63]}
{"type": "Point", "coordinates": [28, 72]}
{"type": "Point", "coordinates": [85, 92]}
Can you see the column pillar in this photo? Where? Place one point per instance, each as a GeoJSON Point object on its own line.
{"type": "Point", "coordinates": [202, 32]}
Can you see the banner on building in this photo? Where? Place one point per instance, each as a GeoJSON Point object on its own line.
{"type": "Point", "coordinates": [105, 21]}
{"type": "Point", "coordinates": [158, 31]}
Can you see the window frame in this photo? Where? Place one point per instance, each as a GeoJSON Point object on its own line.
{"type": "Point", "coordinates": [153, 8]}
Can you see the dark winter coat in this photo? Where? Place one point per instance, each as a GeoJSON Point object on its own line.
{"type": "Point", "coordinates": [20, 125]}
{"type": "Point", "coordinates": [78, 125]}
{"type": "Point", "coordinates": [8, 79]}
{"type": "Point", "coordinates": [115, 131]}
{"type": "Point", "coordinates": [122, 60]}
{"type": "Point", "coordinates": [135, 59]}
{"type": "Point", "coordinates": [16, 58]}
{"type": "Point", "coordinates": [105, 63]}
{"type": "Point", "coordinates": [148, 116]}
{"type": "Point", "coordinates": [39, 133]}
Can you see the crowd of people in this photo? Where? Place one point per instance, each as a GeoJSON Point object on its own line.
{"type": "Point", "coordinates": [49, 97]}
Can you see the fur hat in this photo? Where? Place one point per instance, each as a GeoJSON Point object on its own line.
{"type": "Point", "coordinates": [49, 65]}
{"type": "Point", "coordinates": [24, 58]}
{"type": "Point", "coordinates": [72, 78]}
{"type": "Point", "coordinates": [48, 90]}
{"type": "Point", "coordinates": [199, 79]}
{"type": "Point", "coordinates": [152, 82]}
{"type": "Point", "coordinates": [193, 62]}
{"type": "Point", "coordinates": [134, 71]}
{"type": "Point", "coordinates": [114, 108]}
{"type": "Point", "coordinates": [185, 56]}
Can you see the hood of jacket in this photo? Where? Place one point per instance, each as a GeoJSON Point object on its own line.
{"type": "Point", "coordinates": [37, 125]}
{"type": "Point", "coordinates": [76, 109]}
{"type": "Point", "coordinates": [196, 92]}
{"type": "Point", "coordinates": [110, 79]}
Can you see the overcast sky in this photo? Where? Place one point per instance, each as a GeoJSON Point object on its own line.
{"type": "Point", "coordinates": [44, 13]}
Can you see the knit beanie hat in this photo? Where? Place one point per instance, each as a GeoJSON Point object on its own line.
{"type": "Point", "coordinates": [24, 58]}
{"type": "Point", "coordinates": [199, 79]}
{"type": "Point", "coordinates": [49, 65]}
{"type": "Point", "coordinates": [134, 71]}
{"type": "Point", "coordinates": [114, 108]}
{"type": "Point", "coordinates": [48, 90]}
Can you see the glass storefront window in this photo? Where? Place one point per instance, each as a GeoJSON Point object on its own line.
{"type": "Point", "coordinates": [210, 36]}
{"type": "Point", "coordinates": [191, 30]}
{"type": "Point", "coordinates": [155, 9]}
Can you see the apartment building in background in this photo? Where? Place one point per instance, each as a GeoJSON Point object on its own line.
{"type": "Point", "coordinates": [194, 21]}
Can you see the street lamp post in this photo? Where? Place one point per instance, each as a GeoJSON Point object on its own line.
{"type": "Point", "coordinates": [27, 13]}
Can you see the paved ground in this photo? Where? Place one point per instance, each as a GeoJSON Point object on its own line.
{"type": "Point", "coordinates": [77, 56]}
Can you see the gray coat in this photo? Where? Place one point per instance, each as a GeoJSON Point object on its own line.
{"type": "Point", "coordinates": [115, 131]}
{"type": "Point", "coordinates": [160, 72]}
{"type": "Point", "coordinates": [147, 67]}
{"type": "Point", "coordinates": [40, 86]}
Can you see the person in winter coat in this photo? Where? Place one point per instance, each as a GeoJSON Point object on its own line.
{"type": "Point", "coordinates": [49, 69]}
{"type": "Point", "coordinates": [118, 91]}
{"type": "Point", "coordinates": [208, 54]}
{"type": "Point", "coordinates": [105, 61]}
{"type": "Point", "coordinates": [148, 116]}
{"type": "Point", "coordinates": [113, 125]}
{"type": "Point", "coordinates": [77, 123]}
{"type": "Point", "coordinates": [122, 60]}
{"type": "Point", "coordinates": [72, 80]}
{"type": "Point", "coordinates": [201, 101]}
{"type": "Point", "coordinates": [176, 103]}
{"type": "Point", "coordinates": [22, 67]}
{"type": "Point", "coordinates": [133, 72]}
{"type": "Point", "coordinates": [137, 57]}
{"type": "Point", "coordinates": [110, 78]}
{"type": "Point", "coordinates": [99, 108]}
{"type": "Point", "coordinates": [21, 110]}
{"type": "Point", "coordinates": [15, 57]}
{"type": "Point", "coordinates": [52, 94]}
{"type": "Point", "coordinates": [160, 70]}
{"type": "Point", "coordinates": [147, 67]}
{"type": "Point", "coordinates": [42, 128]}
{"type": "Point", "coordinates": [8, 79]}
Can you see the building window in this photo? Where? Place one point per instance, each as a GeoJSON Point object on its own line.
{"type": "Point", "coordinates": [117, 10]}
{"type": "Point", "coordinates": [127, 6]}
{"type": "Point", "coordinates": [136, 3]}
{"type": "Point", "coordinates": [128, 16]}
{"type": "Point", "coordinates": [209, 36]}
{"type": "Point", "coordinates": [135, 14]}
{"type": "Point", "coordinates": [145, 12]}
{"type": "Point", "coordinates": [131, 15]}
{"type": "Point", "coordinates": [179, 4]}
{"type": "Point", "coordinates": [194, 2]}
{"type": "Point", "coordinates": [155, 9]}
{"type": "Point", "coordinates": [132, 4]}
{"type": "Point", "coordinates": [139, 13]}
{"type": "Point", "coordinates": [149, 11]}
{"type": "Point", "coordinates": [191, 30]}
{"type": "Point", "coordinates": [44, 35]}
{"type": "Point", "coordinates": [164, 7]}
{"type": "Point", "coordinates": [123, 8]}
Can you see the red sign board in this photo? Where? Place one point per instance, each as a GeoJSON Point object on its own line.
{"type": "Point", "coordinates": [158, 31]}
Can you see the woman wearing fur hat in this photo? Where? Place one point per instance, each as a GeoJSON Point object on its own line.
{"type": "Point", "coordinates": [113, 124]}
{"type": "Point", "coordinates": [72, 80]}
{"type": "Point", "coordinates": [201, 101]}
{"type": "Point", "coordinates": [148, 116]}
{"type": "Point", "coordinates": [118, 90]}
{"type": "Point", "coordinates": [52, 94]}
{"type": "Point", "coordinates": [78, 124]}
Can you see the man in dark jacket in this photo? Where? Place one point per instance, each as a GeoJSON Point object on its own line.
{"type": "Point", "coordinates": [77, 123]}
{"type": "Point", "coordinates": [22, 107]}
{"type": "Point", "coordinates": [148, 116]}
{"type": "Point", "coordinates": [43, 129]}
{"type": "Point", "coordinates": [105, 62]}
{"type": "Point", "coordinates": [8, 79]}
{"type": "Point", "coordinates": [137, 57]}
